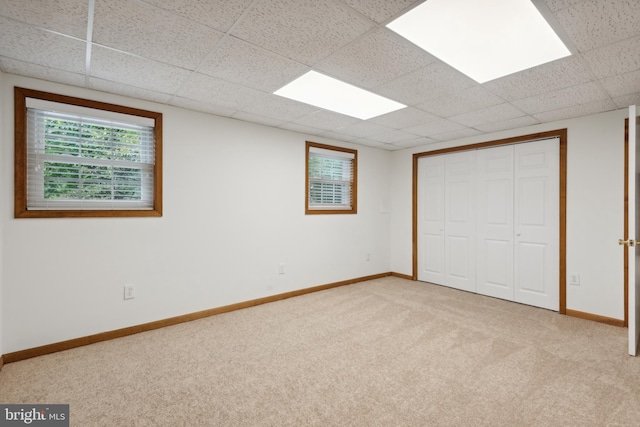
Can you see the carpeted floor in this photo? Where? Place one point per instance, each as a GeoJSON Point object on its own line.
{"type": "Point", "coordinates": [388, 352]}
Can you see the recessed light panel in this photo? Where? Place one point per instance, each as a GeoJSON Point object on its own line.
{"type": "Point", "coordinates": [331, 94]}
{"type": "Point", "coordinates": [484, 39]}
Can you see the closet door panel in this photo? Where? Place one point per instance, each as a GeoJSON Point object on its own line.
{"type": "Point", "coordinates": [459, 220]}
{"type": "Point", "coordinates": [494, 253]}
{"type": "Point", "coordinates": [431, 219]}
{"type": "Point", "coordinates": [532, 260]}
{"type": "Point", "coordinates": [537, 224]}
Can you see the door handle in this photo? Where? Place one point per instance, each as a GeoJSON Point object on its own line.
{"type": "Point", "coordinates": [629, 242]}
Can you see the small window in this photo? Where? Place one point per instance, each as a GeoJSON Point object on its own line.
{"type": "Point", "coordinates": [78, 158]}
{"type": "Point", "coordinates": [331, 180]}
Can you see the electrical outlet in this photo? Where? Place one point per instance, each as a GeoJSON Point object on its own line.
{"type": "Point", "coordinates": [281, 268]}
{"type": "Point", "coordinates": [129, 292]}
{"type": "Point", "coordinates": [574, 279]}
{"type": "Point", "coordinates": [367, 257]}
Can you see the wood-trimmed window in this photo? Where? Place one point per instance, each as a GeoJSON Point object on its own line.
{"type": "Point", "coordinates": [331, 179]}
{"type": "Point", "coordinates": [80, 158]}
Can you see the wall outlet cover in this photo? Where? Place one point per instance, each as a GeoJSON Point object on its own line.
{"type": "Point", "coordinates": [129, 292]}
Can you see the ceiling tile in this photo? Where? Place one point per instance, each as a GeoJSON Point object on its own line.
{"type": "Point", "coordinates": [491, 114]}
{"type": "Point", "coordinates": [627, 100]}
{"type": "Point", "coordinates": [374, 144]}
{"type": "Point", "coordinates": [565, 72]}
{"type": "Point", "coordinates": [508, 124]}
{"type": "Point", "coordinates": [618, 58]}
{"type": "Point", "coordinates": [434, 127]}
{"type": "Point", "coordinates": [556, 5]}
{"type": "Point", "coordinates": [130, 91]}
{"type": "Point", "coordinates": [40, 72]}
{"type": "Point", "coordinates": [470, 99]}
{"type": "Point", "coordinates": [63, 16]}
{"type": "Point", "coordinates": [391, 147]}
{"type": "Point", "coordinates": [380, 10]}
{"type": "Point", "coordinates": [147, 31]}
{"type": "Point", "coordinates": [254, 118]}
{"type": "Point", "coordinates": [624, 84]}
{"type": "Point", "coordinates": [303, 30]}
{"type": "Point", "coordinates": [456, 134]}
{"type": "Point", "coordinates": [595, 23]}
{"type": "Point", "coordinates": [338, 136]}
{"type": "Point", "coordinates": [277, 107]}
{"type": "Point", "coordinates": [218, 14]}
{"type": "Point", "coordinates": [326, 120]}
{"type": "Point", "coordinates": [41, 47]}
{"type": "Point", "coordinates": [392, 136]}
{"type": "Point", "coordinates": [415, 142]}
{"type": "Point", "coordinates": [376, 58]}
{"type": "Point", "coordinates": [563, 98]}
{"type": "Point", "coordinates": [206, 107]}
{"type": "Point", "coordinates": [363, 129]}
{"type": "Point", "coordinates": [216, 91]}
{"type": "Point", "coordinates": [433, 81]}
{"type": "Point", "coordinates": [576, 111]}
{"type": "Point", "coordinates": [134, 71]}
{"type": "Point", "coordinates": [403, 118]}
{"type": "Point", "coordinates": [295, 127]}
{"type": "Point", "coordinates": [240, 62]}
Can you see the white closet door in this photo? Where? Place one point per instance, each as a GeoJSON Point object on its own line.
{"type": "Point", "coordinates": [431, 219]}
{"type": "Point", "coordinates": [536, 225]}
{"type": "Point", "coordinates": [494, 262]}
{"type": "Point", "coordinates": [459, 220]}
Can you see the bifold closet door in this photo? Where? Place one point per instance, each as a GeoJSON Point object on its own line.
{"type": "Point", "coordinates": [537, 223]}
{"type": "Point", "coordinates": [446, 222]}
{"type": "Point", "coordinates": [495, 233]}
{"type": "Point", "coordinates": [488, 221]}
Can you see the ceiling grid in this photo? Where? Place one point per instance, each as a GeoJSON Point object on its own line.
{"type": "Point", "coordinates": [227, 57]}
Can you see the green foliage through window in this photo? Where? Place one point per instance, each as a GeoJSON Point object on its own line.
{"type": "Point", "coordinates": [87, 181]}
{"type": "Point", "coordinates": [78, 158]}
{"type": "Point", "coordinates": [73, 181]}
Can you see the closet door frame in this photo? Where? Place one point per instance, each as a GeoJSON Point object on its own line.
{"type": "Point", "coordinates": [559, 133]}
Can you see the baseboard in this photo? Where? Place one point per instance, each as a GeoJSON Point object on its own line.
{"type": "Point", "coordinates": [402, 276]}
{"type": "Point", "coordinates": [119, 333]}
{"type": "Point", "coordinates": [595, 318]}
{"type": "Point", "coordinates": [1, 362]}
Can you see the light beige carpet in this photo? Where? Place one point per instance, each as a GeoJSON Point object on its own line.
{"type": "Point", "coordinates": [387, 352]}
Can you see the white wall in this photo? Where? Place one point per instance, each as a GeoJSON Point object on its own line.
{"type": "Point", "coordinates": [595, 208]}
{"type": "Point", "coordinates": [233, 210]}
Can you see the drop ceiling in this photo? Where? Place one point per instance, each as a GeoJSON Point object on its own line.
{"type": "Point", "coordinates": [227, 57]}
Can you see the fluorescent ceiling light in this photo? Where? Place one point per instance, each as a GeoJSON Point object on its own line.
{"type": "Point", "coordinates": [331, 94]}
{"type": "Point", "coordinates": [483, 39]}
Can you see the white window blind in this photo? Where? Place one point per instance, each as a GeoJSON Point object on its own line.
{"type": "Point", "coordinates": [80, 162]}
{"type": "Point", "coordinates": [330, 179]}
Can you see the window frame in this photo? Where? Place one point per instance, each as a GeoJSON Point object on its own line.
{"type": "Point", "coordinates": [354, 181]}
{"type": "Point", "coordinates": [20, 157]}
